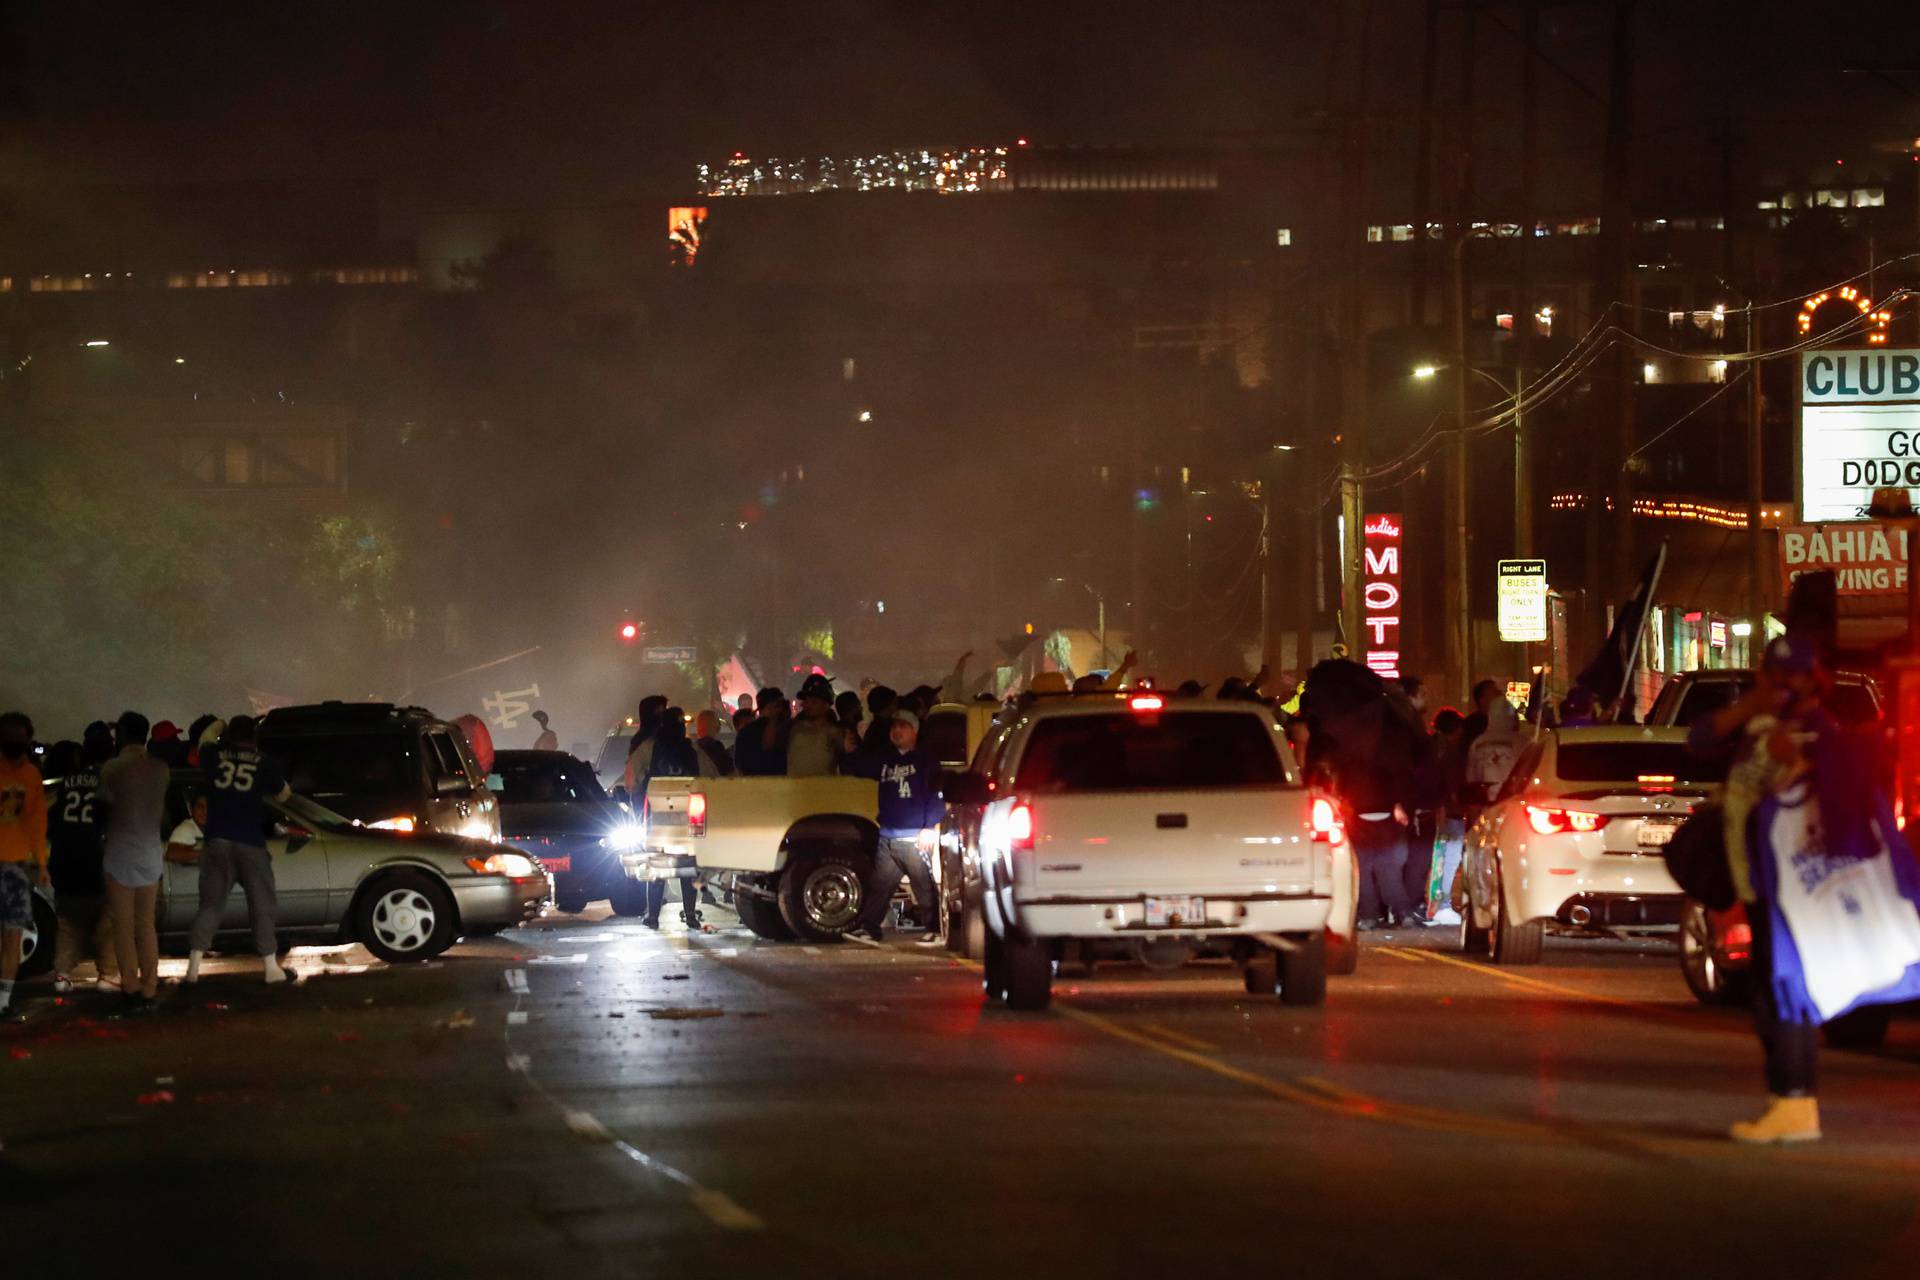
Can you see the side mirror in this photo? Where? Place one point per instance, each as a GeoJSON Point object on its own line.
{"type": "Point", "coordinates": [452, 785]}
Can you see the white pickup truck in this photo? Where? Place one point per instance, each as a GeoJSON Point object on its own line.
{"type": "Point", "coordinates": [1114, 817]}
{"type": "Point", "coordinates": [795, 852]}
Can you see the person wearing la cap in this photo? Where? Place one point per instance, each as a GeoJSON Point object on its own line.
{"type": "Point", "coordinates": [909, 817]}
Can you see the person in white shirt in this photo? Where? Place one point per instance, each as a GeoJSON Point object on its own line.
{"type": "Point", "coordinates": [184, 845]}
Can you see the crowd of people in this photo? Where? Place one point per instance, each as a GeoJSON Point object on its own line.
{"type": "Point", "coordinates": [95, 844]}
{"type": "Point", "coordinates": [819, 734]}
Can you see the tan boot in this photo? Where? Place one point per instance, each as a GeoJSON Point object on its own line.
{"type": "Point", "coordinates": [1786, 1120]}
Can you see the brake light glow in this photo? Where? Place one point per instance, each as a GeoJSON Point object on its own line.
{"type": "Point", "coordinates": [697, 812]}
{"type": "Point", "coordinates": [1553, 822]}
{"type": "Point", "coordinates": [1148, 702]}
{"type": "Point", "coordinates": [1656, 781]}
{"type": "Point", "coordinates": [1020, 827]}
{"type": "Point", "coordinates": [1326, 822]}
{"type": "Point", "coordinates": [403, 824]}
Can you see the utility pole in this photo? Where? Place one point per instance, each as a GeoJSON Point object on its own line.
{"type": "Point", "coordinates": [1616, 235]}
{"type": "Point", "coordinates": [1523, 318]}
{"type": "Point", "coordinates": [1456, 596]}
{"type": "Point", "coordinates": [1353, 388]}
{"type": "Point", "coordinates": [1423, 172]}
{"type": "Point", "coordinates": [1756, 540]}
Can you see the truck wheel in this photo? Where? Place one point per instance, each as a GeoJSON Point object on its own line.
{"type": "Point", "coordinates": [405, 917]}
{"type": "Point", "coordinates": [1303, 971]}
{"type": "Point", "coordinates": [1262, 975]}
{"type": "Point", "coordinates": [1514, 943]}
{"type": "Point", "coordinates": [821, 894]}
{"type": "Point", "coordinates": [1029, 974]}
{"type": "Point", "coordinates": [762, 918]}
{"type": "Point", "coordinates": [629, 898]}
{"type": "Point", "coordinates": [1343, 952]}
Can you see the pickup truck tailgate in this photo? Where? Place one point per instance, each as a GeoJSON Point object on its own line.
{"type": "Point", "coordinates": [1219, 840]}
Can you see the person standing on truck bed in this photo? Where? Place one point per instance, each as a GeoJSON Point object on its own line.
{"type": "Point", "coordinates": [815, 742]}
{"type": "Point", "coordinates": [909, 817]}
{"type": "Point", "coordinates": [762, 749]}
{"type": "Point", "coordinates": [640, 748]}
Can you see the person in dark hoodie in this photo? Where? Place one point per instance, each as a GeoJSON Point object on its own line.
{"type": "Point", "coordinates": [674, 756]}
{"type": "Point", "coordinates": [909, 817]}
{"type": "Point", "coordinates": [761, 751]}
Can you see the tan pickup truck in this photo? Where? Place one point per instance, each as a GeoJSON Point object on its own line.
{"type": "Point", "coordinates": [795, 852]}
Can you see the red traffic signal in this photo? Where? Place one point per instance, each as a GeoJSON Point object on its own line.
{"type": "Point", "coordinates": [629, 632]}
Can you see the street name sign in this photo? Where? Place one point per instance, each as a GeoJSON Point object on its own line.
{"type": "Point", "coordinates": [670, 653]}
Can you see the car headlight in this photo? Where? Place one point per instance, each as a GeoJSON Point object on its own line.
{"type": "Point", "coordinates": [625, 839]}
{"type": "Point", "coordinates": [402, 824]}
{"type": "Point", "coordinates": [515, 865]}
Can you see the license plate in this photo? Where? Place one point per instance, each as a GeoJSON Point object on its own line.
{"type": "Point", "coordinates": [1164, 913]}
{"type": "Point", "coordinates": [1656, 835]}
{"type": "Point", "coordinates": [556, 865]}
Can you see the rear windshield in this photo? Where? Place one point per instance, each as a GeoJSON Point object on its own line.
{"type": "Point", "coordinates": [1169, 751]}
{"type": "Point", "coordinates": [372, 776]}
{"type": "Point", "coordinates": [1849, 701]}
{"type": "Point", "coordinates": [1629, 762]}
{"type": "Point", "coordinates": [548, 780]}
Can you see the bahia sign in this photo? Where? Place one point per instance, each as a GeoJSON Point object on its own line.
{"type": "Point", "coordinates": [1859, 429]}
{"type": "Point", "coordinates": [1380, 593]}
{"type": "Point", "coordinates": [1865, 559]}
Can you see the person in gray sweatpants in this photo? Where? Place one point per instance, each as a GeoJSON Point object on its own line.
{"type": "Point", "coordinates": [240, 781]}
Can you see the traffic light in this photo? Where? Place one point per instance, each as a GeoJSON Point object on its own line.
{"type": "Point", "coordinates": [629, 632]}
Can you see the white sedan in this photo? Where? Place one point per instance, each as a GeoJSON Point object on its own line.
{"type": "Point", "coordinates": [1574, 839]}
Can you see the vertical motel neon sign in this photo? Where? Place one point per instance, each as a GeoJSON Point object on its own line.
{"type": "Point", "coordinates": [1380, 593]}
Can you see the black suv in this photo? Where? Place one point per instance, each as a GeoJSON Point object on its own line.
{"type": "Point", "coordinates": [391, 768]}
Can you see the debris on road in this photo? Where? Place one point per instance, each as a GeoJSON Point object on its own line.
{"type": "Point", "coordinates": [683, 1015]}
{"type": "Point", "coordinates": [458, 1020]}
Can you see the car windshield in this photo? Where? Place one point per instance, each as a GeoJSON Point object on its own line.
{"type": "Point", "coordinates": [369, 776]}
{"type": "Point", "coordinates": [613, 755]}
{"type": "Point", "coordinates": [1164, 751]}
{"type": "Point", "coordinates": [1631, 763]}
{"type": "Point", "coordinates": [313, 814]}
{"type": "Point", "coordinates": [543, 779]}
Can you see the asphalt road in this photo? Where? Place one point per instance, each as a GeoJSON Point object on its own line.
{"type": "Point", "coordinates": [588, 1098]}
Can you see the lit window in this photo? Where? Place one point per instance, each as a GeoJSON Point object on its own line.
{"type": "Point", "coordinates": [1869, 198]}
{"type": "Point", "coordinates": [1283, 237]}
{"type": "Point", "coordinates": [1403, 233]}
{"type": "Point", "coordinates": [1376, 234]}
{"type": "Point", "coordinates": [1649, 373]}
{"type": "Point", "coordinates": [1717, 371]}
{"type": "Point", "coordinates": [1504, 320]}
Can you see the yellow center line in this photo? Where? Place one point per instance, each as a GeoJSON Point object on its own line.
{"type": "Point", "coordinates": [1180, 1038]}
{"type": "Point", "coordinates": [1540, 984]}
{"type": "Point", "coordinates": [1402, 953]}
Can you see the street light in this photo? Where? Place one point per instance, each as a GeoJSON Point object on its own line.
{"type": "Point", "coordinates": [98, 342]}
{"type": "Point", "coordinates": [1522, 490]}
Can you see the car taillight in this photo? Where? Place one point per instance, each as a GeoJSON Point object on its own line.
{"type": "Point", "coordinates": [1326, 822]}
{"type": "Point", "coordinates": [402, 824]}
{"type": "Point", "coordinates": [1020, 827]}
{"type": "Point", "coordinates": [1553, 822]}
{"type": "Point", "coordinates": [697, 812]}
{"type": "Point", "coordinates": [1147, 702]}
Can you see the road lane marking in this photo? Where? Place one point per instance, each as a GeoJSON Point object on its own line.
{"type": "Point", "coordinates": [517, 1018]}
{"type": "Point", "coordinates": [1540, 984]}
{"type": "Point", "coordinates": [722, 1210]}
{"type": "Point", "coordinates": [1403, 953]}
{"type": "Point", "coordinates": [1180, 1038]}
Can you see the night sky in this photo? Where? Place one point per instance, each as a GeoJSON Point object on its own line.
{"type": "Point", "coordinates": [487, 100]}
